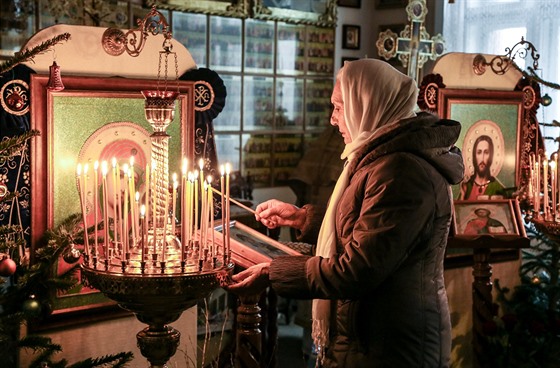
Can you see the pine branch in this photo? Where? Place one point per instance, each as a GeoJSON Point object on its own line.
{"type": "Point", "coordinates": [117, 361]}
{"type": "Point", "coordinates": [9, 147]}
{"type": "Point", "coordinates": [27, 54]}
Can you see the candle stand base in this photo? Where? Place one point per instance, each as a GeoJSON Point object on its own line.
{"type": "Point", "coordinates": [156, 300]}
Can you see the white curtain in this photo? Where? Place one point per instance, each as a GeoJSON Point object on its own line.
{"type": "Point", "coordinates": [489, 26]}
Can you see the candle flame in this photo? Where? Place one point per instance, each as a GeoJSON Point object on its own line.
{"type": "Point", "coordinates": [104, 168]}
{"type": "Point", "coordinates": [185, 165]}
{"type": "Point", "coordinates": [137, 196]}
{"type": "Point", "coordinates": [114, 162]}
{"type": "Point", "coordinates": [131, 161]}
{"type": "Point", "coordinates": [96, 165]}
{"type": "Point", "coordinates": [86, 167]}
{"type": "Point", "coordinates": [79, 169]}
{"type": "Point", "coordinates": [201, 163]}
{"type": "Point", "coordinates": [143, 211]}
{"type": "Point", "coordinates": [228, 168]}
{"type": "Point", "coordinates": [222, 170]}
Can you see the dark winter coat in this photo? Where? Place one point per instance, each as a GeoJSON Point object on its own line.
{"type": "Point", "coordinates": [392, 226]}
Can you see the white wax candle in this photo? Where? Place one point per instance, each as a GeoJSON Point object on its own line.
{"type": "Point", "coordinates": [95, 203]}
{"type": "Point", "coordinates": [125, 209]}
{"type": "Point", "coordinates": [136, 220]}
{"type": "Point", "coordinates": [228, 170]}
{"type": "Point", "coordinates": [82, 204]}
{"type": "Point", "coordinates": [222, 184]}
{"type": "Point", "coordinates": [545, 187]}
{"type": "Point", "coordinates": [174, 203]}
{"type": "Point", "coordinates": [86, 235]}
{"type": "Point", "coordinates": [143, 238]}
{"type": "Point", "coordinates": [195, 204]}
{"type": "Point", "coordinates": [104, 170]}
{"type": "Point", "coordinates": [115, 216]}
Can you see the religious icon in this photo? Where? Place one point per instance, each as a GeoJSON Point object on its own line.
{"type": "Point", "coordinates": [483, 154]}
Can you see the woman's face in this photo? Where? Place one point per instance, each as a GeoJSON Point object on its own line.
{"type": "Point", "coordinates": [337, 117]}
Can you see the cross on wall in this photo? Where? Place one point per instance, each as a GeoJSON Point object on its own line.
{"type": "Point", "coordinates": [413, 46]}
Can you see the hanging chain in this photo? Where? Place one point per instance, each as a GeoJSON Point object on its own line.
{"type": "Point", "coordinates": [167, 47]}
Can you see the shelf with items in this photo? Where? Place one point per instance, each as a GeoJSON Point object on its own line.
{"type": "Point", "coordinates": [318, 104]}
{"type": "Point", "coordinates": [259, 46]}
{"type": "Point", "coordinates": [320, 50]}
{"type": "Point", "coordinates": [258, 103]}
{"type": "Point", "coordinates": [287, 151]}
{"type": "Point", "coordinates": [290, 52]}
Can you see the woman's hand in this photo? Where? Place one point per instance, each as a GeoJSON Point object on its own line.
{"type": "Point", "coordinates": [274, 213]}
{"type": "Point", "coordinates": [251, 281]}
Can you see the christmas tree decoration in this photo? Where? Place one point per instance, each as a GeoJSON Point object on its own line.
{"type": "Point", "coordinates": [7, 266]}
{"type": "Point", "coordinates": [55, 80]}
{"type": "Point", "coordinates": [73, 255]}
{"type": "Point", "coordinates": [546, 100]}
{"type": "Point", "coordinates": [31, 307]}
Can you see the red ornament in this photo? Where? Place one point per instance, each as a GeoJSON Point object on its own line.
{"type": "Point", "coordinates": [7, 267]}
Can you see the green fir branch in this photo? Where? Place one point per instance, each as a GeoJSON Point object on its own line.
{"type": "Point", "coordinates": [10, 147]}
{"type": "Point", "coordinates": [28, 54]}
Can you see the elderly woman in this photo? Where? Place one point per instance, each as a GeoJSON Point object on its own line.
{"type": "Point", "coordinates": [377, 274]}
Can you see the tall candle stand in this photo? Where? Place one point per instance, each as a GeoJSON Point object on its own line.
{"type": "Point", "coordinates": [156, 274]}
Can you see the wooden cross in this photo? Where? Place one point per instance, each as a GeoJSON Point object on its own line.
{"type": "Point", "coordinates": [413, 46]}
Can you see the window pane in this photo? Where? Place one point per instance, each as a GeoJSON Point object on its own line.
{"type": "Point", "coordinates": [258, 111]}
{"type": "Point", "coordinates": [291, 49]}
{"type": "Point", "coordinates": [190, 30]}
{"type": "Point", "coordinates": [257, 156]}
{"type": "Point", "coordinates": [230, 117]}
{"type": "Point", "coordinates": [259, 46]}
{"type": "Point", "coordinates": [318, 103]}
{"type": "Point", "coordinates": [289, 103]}
{"type": "Point", "coordinates": [225, 44]}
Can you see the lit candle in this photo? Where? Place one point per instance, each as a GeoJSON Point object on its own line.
{"type": "Point", "coordinates": [545, 187]}
{"type": "Point", "coordinates": [538, 186]}
{"type": "Point", "coordinates": [86, 235]}
{"type": "Point", "coordinates": [208, 206]}
{"type": "Point", "coordinates": [125, 209]}
{"type": "Point", "coordinates": [552, 165]}
{"type": "Point", "coordinates": [211, 214]}
{"type": "Point", "coordinates": [203, 218]}
{"type": "Point", "coordinates": [83, 205]}
{"type": "Point", "coordinates": [195, 204]}
{"type": "Point", "coordinates": [104, 170]}
{"type": "Point", "coordinates": [95, 204]}
{"type": "Point", "coordinates": [228, 170]}
{"type": "Point", "coordinates": [143, 239]}
{"type": "Point", "coordinates": [120, 206]}
{"type": "Point", "coordinates": [132, 194]}
{"type": "Point", "coordinates": [222, 184]}
{"type": "Point", "coordinates": [184, 193]}
{"type": "Point", "coordinates": [136, 222]}
{"type": "Point", "coordinates": [115, 217]}
{"type": "Point", "coordinates": [190, 186]}
{"type": "Point", "coordinates": [174, 203]}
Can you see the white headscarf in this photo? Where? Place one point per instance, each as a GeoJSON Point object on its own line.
{"type": "Point", "coordinates": [375, 96]}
